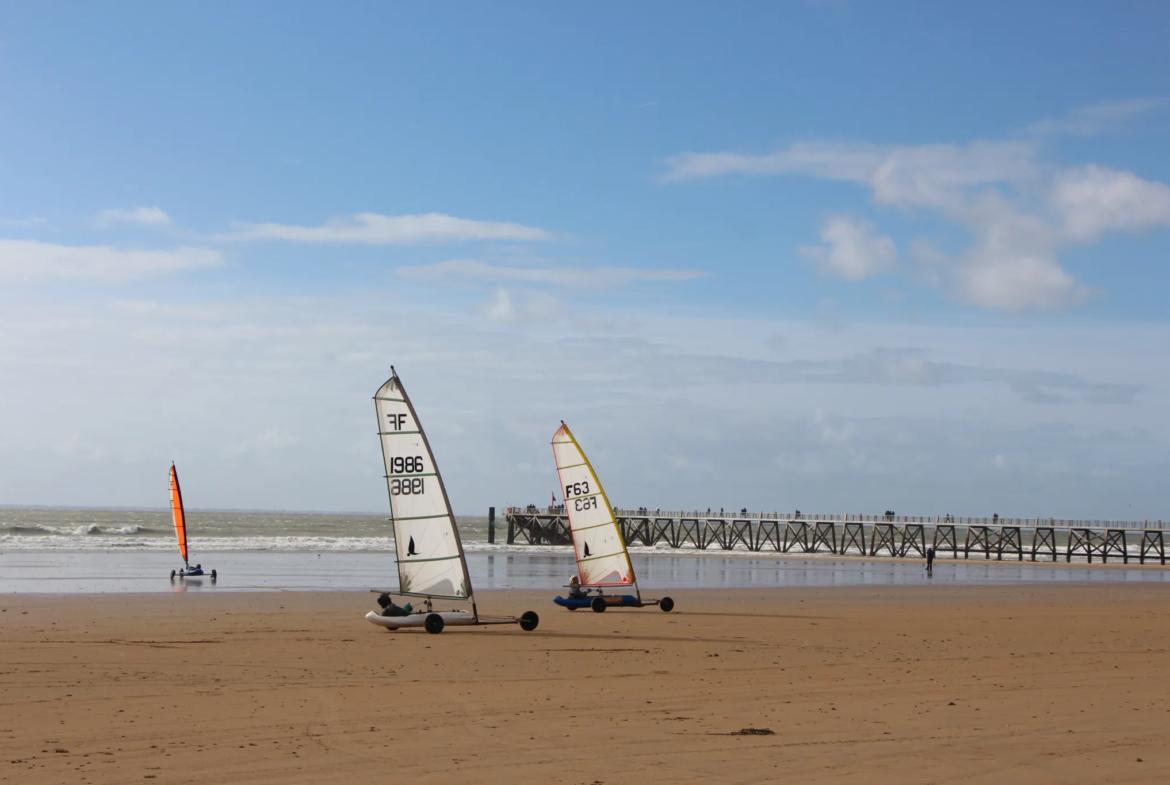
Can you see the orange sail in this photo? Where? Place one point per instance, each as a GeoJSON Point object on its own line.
{"type": "Point", "coordinates": [177, 512]}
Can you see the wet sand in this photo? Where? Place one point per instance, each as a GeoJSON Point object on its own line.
{"type": "Point", "coordinates": [1037, 684]}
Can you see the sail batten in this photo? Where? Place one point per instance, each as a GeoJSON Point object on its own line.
{"type": "Point", "coordinates": [430, 555]}
{"type": "Point", "coordinates": [178, 513]}
{"type": "Point", "coordinates": [602, 557]}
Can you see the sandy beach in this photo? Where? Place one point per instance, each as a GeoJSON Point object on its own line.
{"type": "Point", "coordinates": [884, 685]}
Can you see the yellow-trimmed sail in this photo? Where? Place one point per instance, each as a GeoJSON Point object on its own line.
{"type": "Point", "coordinates": [602, 558]}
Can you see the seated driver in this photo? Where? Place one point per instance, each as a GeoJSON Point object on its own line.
{"type": "Point", "coordinates": [390, 609]}
{"type": "Point", "coordinates": [575, 590]}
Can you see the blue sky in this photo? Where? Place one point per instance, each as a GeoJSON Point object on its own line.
{"type": "Point", "coordinates": [822, 255]}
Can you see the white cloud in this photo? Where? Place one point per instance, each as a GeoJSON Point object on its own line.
{"type": "Point", "coordinates": [1095, 119]}
{"type": "Point", "coordinates": [1019, 212]}
{"type": "Point", "coordinates": [27, 260]}
{"type": "Point", "coordinates": [1094, 200]}
{"type": "Point", "coordinates": [143, 215]}
{"type": "Point", "coordinates": [375, 229]}
{"type": "Point", "coordinates": [500, 308]}
{"type": "Point", "coordinates": [854, 251]}
{"type": "Point", "coordinates": [570, 277]}
{"type": "Point", "coordinates": [533, 307]}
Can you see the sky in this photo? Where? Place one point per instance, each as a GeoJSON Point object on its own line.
{"type": "Point", "coordinates": [828, 256]}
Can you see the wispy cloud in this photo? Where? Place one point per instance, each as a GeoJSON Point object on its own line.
{"type": "Point", "coordinates": [24, 223]}
{"type": "Point", "coordinates": [376, 229]}
{"type": "Point", "coordinates": [24, 261]}
{"type": "Point", "coordinates": [893, 423]}
{"type": "Point", "coordinates": [895, 172]}
{"type": "Point", "coordinates": [853, 249]}
{"type": "Point", "coordinates": [1096, 119]}
{"type": "Point", "coordinates": [152, 216]}
{"type": "Point", "coordinates": [1020, 212]}
{"type": "Point", "coordinates": [571, 277]}
{"type": "Point", "coordinates": [504, 306]}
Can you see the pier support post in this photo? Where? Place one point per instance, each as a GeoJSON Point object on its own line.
{"type": "Point", "coordinates": [978, 540]}
{"type": "Point", "coordinates": [853, 537]}
{"type": "Point", "coordinates": [825, 534]}
{"type": "Point", "coordinates": [884, 536]}
{"type": "Point", "coordinates": [769, 533]}
{"type": "Point", "coordinates": [1080, 542]}
{"type": "Point", "coordinates": [1044, 541]}
{"type": "Point", "coordinates": [799, 532]}
{"type": "Point", "coordinates": [491, 525]}
{"type": "Point", "coordinates": [511, 529]}
{"type": "Point", "coordinates": [1153, 545]}
{"type": "Point", "coordinates": [1115, 545]}
{"type": "Point", "coordinates": [944, 540]}
{"type": "Point", "coordinates": [913, 538]}
{"type": "Point", "coordinates": [1009, 541]}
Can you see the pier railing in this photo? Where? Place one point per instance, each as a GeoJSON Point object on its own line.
{"type": "Point", "coordinates": [863, 535]}
{"type": "Point", "coordinates": [740, 515]}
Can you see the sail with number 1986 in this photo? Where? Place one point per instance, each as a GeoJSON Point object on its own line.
{"type": "Point", "coordinates": [431, 562]}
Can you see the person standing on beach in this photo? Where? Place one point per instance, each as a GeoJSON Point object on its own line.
{"type": "Point", "coordinates": [930, 561]}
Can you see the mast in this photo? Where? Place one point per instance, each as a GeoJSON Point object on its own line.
{"type": "Point", "coordinates": [431, 560]}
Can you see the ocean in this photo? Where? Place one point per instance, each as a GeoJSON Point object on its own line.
{"type": "Point", "coordinates": [64, 551]}
{"type": "Point", "coordinates": [88, 529]}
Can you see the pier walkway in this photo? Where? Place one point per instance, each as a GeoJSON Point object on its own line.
{"type": "Point", "coordinates": [1035, 539]}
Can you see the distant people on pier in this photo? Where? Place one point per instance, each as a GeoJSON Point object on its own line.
{"type": "Point", "coordinates": [995, 519]}
{"type": "Point", "coordinates": [890, 515]}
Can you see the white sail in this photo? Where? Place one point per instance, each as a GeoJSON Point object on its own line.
{"type": "Point", "coordinates": [602, 558]}
{"type": "Point", "coordinates": [430, 555]}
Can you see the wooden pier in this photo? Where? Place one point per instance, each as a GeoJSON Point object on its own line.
{"type": "Point", "coordinates": [1032, 539]}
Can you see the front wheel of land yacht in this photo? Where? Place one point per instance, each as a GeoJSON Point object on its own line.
{"type": "Point", "coordinates": [172, 575]}
{"type": "Point", "coordinates": [529, 620]}
{"type": "Point", "coordinates": [598, 605]}
{"type": "Point", "coordinates": [213, 576]}
{"type": "Point", "coordinates": [434, 624]}
{"type": "Point", "coordinates": [666, 604]}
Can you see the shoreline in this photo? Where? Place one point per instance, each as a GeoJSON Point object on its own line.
{"type": "Point", "coordinates": [129, 571]}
